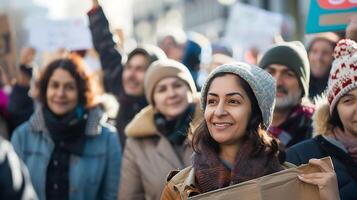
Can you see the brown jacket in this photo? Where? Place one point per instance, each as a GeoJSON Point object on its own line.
{"type": "Point", "coordinates": [149, 157]}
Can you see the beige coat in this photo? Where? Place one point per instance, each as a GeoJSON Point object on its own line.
{"type": "Point", "coordinates": [149, 157]}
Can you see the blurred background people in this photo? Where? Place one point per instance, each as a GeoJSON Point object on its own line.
{"type": "Point", "coordinates": [157, 137]}
{"type": "Point", "coordinates": [289, 65]}
{"type": "Point", "coordinates": [173, 41]}
{"type": "Point", "coordinates": [125, 81]}
{"type": "Point", "coordinates": [70, 151]}
{"type": "Point", "coordinates": [320, 54]}
{"type": "Point", "coordinates": [335, 122]}
{"type": "Point", "coordinates": [21, 105]}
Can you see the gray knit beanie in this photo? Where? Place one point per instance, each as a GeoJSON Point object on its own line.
{"type": "Point", "coordinates": [164, 68]}
{"type": "Point", "coordinates": [260, 81]}
{"type": "Point", "coordinates": [294, 56]}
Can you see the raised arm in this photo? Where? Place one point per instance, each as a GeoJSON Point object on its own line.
{"type": "Point", "coordinates": [104, 44]}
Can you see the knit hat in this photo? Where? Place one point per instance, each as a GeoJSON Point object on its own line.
{"type": "Point", "coordinates": [293, 55]}
{"type": "Point", "coordinates": [343, 74]}
{"type": "Point", "coordinates": [164, 68]}
{"type": "Point", "coordinates": [261, 82]}
{"type": "Point", "coordinates": [150, 51]}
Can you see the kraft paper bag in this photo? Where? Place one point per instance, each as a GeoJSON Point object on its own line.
{"type": "Point", "coordinates": [281, 185]}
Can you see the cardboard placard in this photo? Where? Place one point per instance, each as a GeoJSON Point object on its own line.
{"type": "Point", "coordinates": [281, 185]}
{"type": "Point", "coordinates": [330, 15]}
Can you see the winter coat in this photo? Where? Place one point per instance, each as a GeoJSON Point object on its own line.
{"type": "Point", "coordinates": [149, 157]}
{"type": "Point", "coordinates": [93, 175]}
{"type": "Point", "coordinates": [323, 145]}
{"type": "Point", "coordinates": [111, 61]}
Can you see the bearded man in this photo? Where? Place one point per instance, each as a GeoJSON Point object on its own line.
{"type": "Point", "coordinates": [288, 63]}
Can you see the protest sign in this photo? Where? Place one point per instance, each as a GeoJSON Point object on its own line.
{"type": "Point", "coordinates": [51, 35]}
{"type": "Point", "coordinates": [330, 15]}
{"type": "Point", "coordinates": [281, 185]}
{"type": "Point", "coordinates": [251, 27]}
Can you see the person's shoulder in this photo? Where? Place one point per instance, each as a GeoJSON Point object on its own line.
{"type": "Point", "coordinates": [304, 146]}
{"type": "Point", "coordinates": [300, 153]}
{"type": "Point", "coordinates": [179, 176]}
{"type": "Point", "coordinates": [108, 129]}
{"type": "Point", "coordinates": [22, 129]}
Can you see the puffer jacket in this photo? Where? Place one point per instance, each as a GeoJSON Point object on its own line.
{"type": "Point", "coordinates": [149, 157]}
{"type": "Point", "coordinates": [323, 145]}
{"type": "Point", "coordinates": [93, 175]}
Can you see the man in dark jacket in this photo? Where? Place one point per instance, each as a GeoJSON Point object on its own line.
{"type": "Point", "coordinates": [126, 82]}
{"type": "Point", "coordinates": [289, 65]}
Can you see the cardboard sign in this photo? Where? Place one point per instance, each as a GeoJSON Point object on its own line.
{"type": "Point", "coordinates": [7, 49]}
{"type": "Point", "coordinates": [330, 15]}
{"type": "Point", "coordinates": [281, 185]}
{"type": "Point", "coordinates": [51, 35]}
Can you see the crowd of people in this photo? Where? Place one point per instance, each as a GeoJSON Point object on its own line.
{"type": "Point", "coordinates": [179, 132]}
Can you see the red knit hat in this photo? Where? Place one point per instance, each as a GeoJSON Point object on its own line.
{"type": "Point", "coordinates": [343, 74]}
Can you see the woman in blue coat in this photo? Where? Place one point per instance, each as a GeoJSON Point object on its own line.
{"type": "Point", "coordinates": [70, 152]}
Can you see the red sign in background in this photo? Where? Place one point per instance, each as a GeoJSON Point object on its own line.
{"type": "Point", "coordinates": [337, 4]}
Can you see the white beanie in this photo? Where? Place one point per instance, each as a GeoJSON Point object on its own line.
{"type": "Point", "coordinates": [343, 74]}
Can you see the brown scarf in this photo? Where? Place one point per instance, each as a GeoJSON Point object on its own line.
{"type": "Point", "coordinates": [212, 174]}
{"type": "Point", "coordinates": [348, 140]}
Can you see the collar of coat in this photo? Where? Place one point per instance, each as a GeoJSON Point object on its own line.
{"type": "Point", "coordinates": [321, 117]}
{"type": "Point", "coordinates": [95, 117]}
{"type": "Point", "coordinates": [143, 123]}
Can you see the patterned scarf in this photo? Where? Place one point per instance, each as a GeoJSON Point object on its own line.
{"type": "Point", "coordinates": [348, 140]}
{"type": "Point", "coordinates": [296, 128]}
{"type": "Point", "coordinates": [211, 173]}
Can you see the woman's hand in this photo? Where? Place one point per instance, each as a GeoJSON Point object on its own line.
{"type": "Point", "coordinates": [27, 55]}
{"type": "Point", "coordinates": [325, 180]}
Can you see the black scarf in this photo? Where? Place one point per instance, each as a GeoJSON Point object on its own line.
{"type": "Point", "coordinates": [175, 130]}
{"type": "Point", "coordinates": [67, 132]}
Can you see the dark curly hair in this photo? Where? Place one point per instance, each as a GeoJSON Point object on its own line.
{"type": "Point", "coordinates": [75, 66]}
{"type": "Point", "coordinates": [255, 134]}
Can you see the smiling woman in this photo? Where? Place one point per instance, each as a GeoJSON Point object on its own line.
{"type": "Point", "coordinates": [231, 144]}
{"type": "Point", "coordinates": [335, 122]}
{"type": "Point", "coordinates": [69, 126]}
{"type": "Point", "coordinates": [158, 139]}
